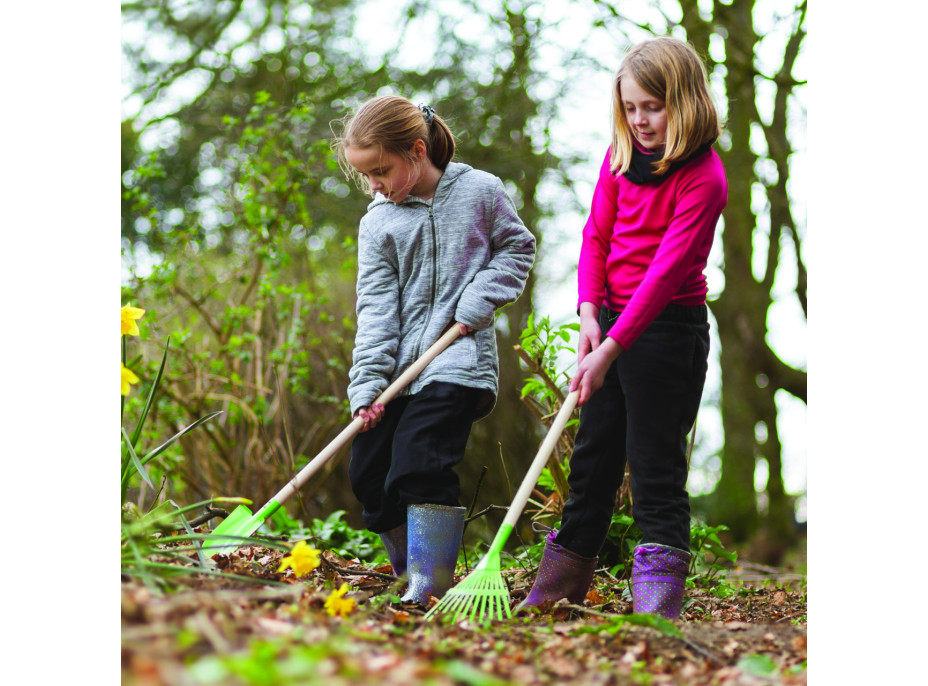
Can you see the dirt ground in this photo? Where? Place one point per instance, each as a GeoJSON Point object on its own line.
{"type": "Point", "coordinates": [274, 630]}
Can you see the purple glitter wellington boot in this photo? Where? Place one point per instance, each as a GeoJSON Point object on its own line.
{"type": "Point", "coordinates": [658, 579]}
{"type": "Point", "coordinates": [561, 574]}
{"type": "Point", "coordinates": [394, 541]}
{"type": "Point", "coordinates": [434, 538]}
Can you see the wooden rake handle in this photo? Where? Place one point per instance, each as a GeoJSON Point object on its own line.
{"type": "Point", "coordinates": [403, 380]}
{"type": "Point", "coordinates": [541, 459]}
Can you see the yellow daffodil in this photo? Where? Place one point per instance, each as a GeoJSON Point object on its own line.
{"type": "Point", "coordinates": [302, 559]}
{"type": "Point", "coordinates": [129, 316]}
{"type": "Point", "coordinates": [337, 605]}
{"type": "Point", "coordinates": [128, 377]}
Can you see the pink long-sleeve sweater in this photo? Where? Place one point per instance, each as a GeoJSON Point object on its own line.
{"type": "Point", "coordinates": [645, 246]}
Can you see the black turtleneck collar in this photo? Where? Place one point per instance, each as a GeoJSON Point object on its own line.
{"type": "Point", "coordinates": [641, 169]}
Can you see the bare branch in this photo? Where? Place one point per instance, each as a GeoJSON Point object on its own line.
{"type": "Point", "coordinates": [197, 304]}
{"type": "Point", "coordinates": [779, 150]}
{"type": "Point", "coordinates": [204, 35]}
{"type": "Point", "coordinates": [784, 377]}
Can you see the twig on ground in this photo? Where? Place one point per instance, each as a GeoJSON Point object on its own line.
{"type": "Point", "coordinates": [473, 504]}
{"type": "Point", "coordinates": [207, 515]}
{"type": "Point", "coordinates": [605, 570]}
{"type": "Point", "coordinates": [485, 510]}
{"type": "Point", "coordinates": [347, 571]}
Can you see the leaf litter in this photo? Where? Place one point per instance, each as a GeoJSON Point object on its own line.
{"type": "Point", "coordinates": [273, 630]}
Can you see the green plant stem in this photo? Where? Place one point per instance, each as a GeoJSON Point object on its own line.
{"type": "Point", "coordinates": [122, 398]}
{"type": "Point", "coordinates": [539, 371]}
{"type": "Point", "coordinates": [151, 396]}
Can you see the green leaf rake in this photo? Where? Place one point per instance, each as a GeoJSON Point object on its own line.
{"type": "Point", "coordinates": [241, 523]}
{"type": "Point", "coordinates": [483, 595]}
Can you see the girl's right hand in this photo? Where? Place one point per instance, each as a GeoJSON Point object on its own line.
{"type": "Point", "coordinates": [592, 371]}
{"type": "Point", "coordinates": [371, 416]}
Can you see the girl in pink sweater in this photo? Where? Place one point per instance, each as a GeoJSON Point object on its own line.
{"type": "Point", "coordinates": [644, 333]}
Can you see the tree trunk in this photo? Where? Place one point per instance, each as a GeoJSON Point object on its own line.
{"type": "Point", "coordinates": [741, 310]}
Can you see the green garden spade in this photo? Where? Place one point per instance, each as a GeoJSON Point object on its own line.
{"type": "Point", "coordinates": [241, 523]}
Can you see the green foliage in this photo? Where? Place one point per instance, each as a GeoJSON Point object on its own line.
{"type": "Point", "coordinates": [133, 466]}
{"type": "Point", "coordinates": [758, 664]}
{"type": "Point", "coordinates": [246, 287]}
{"type": "Point", "coordinates": [543, 393]}
{"type": "Point", "coordinates": [531, 553]}
{"type": "Point", "coordinates": [543, 344]}
{"type": "Point", "coordinates": [335, 534]}
{"type": "Point", "coordinates": [619, 547]}
{"type": "Point", "coordinates": [704, 541]}
{"type": "Point", "coordinates": [161, 545]}
{"type": "Point", "coordinates": [267, 663]}
{"type": "Point", "coordinates": [546, 478]}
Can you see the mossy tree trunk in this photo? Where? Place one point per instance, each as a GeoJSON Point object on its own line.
{"type": "Point", "coordinates": [752, 373]}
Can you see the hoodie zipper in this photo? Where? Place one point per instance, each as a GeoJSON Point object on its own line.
{"type": "Point", "coordinates": [434, 280]}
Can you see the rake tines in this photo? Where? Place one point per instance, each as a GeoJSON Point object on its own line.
{"type": "Point", "coordinates": [482, 596]}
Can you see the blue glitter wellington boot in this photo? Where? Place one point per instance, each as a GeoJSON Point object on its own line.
{"type": "Point", "coordinates": [394, 541]}
{"type": "Point", "coordinates": [658, 579]}
{"type": "Point", "coordinates": [434, 536]}
{"type": "Point", "coordinates": [561, 574]}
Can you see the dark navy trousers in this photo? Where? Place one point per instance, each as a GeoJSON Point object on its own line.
{"type": "Point", "coordinates": [643, 413]}
{"type": "Point", "coordinates": [409, 457]}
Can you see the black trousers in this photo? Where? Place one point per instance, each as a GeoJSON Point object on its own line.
{"type": "Point", "coordinates": [409, 457]}
{"type": "Point", "coordinates": [643, 413]}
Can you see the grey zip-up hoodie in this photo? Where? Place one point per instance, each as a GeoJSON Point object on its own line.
{"type": "Point", "coordinates": [423, 265]}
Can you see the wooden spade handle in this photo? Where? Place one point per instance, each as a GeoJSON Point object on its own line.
{"type": "Point", "coordinates": [403, 380]}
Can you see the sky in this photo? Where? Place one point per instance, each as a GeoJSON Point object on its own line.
{"type": "Point", "coordinates": [867, 466]}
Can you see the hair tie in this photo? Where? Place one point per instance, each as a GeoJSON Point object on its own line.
{"type": "Point", "coordinates": [428, 112]}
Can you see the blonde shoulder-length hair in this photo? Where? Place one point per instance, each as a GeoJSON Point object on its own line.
{"type": "Point", "coordinates": [668, 69]}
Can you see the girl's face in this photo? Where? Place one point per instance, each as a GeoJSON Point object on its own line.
{"type": "Point", "coordinates": [646, 115]}
{"type": "Point", "coordinates": [386, 172]}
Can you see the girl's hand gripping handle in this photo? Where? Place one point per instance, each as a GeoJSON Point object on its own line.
{"type": "Point", "coordinates": [357, 423]}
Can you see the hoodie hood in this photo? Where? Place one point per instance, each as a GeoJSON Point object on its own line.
{"type": "Point", "coordinates": [452, 172]}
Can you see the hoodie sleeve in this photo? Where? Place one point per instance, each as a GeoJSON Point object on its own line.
{"type": "Point", "coordinates": [378, 329]}
{"type": "Point", "coordinates": [503, 278]}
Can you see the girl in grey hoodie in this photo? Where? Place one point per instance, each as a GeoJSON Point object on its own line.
{"type": "Point", "coordinates": [441, 245]}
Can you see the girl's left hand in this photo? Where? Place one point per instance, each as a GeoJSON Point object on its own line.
{"type": "Point", "coordinates": [371, 416]}
{"type": "Point", "coordinates": [465, 329]}
{"type": "Point", "coordinates": [591, 372]}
